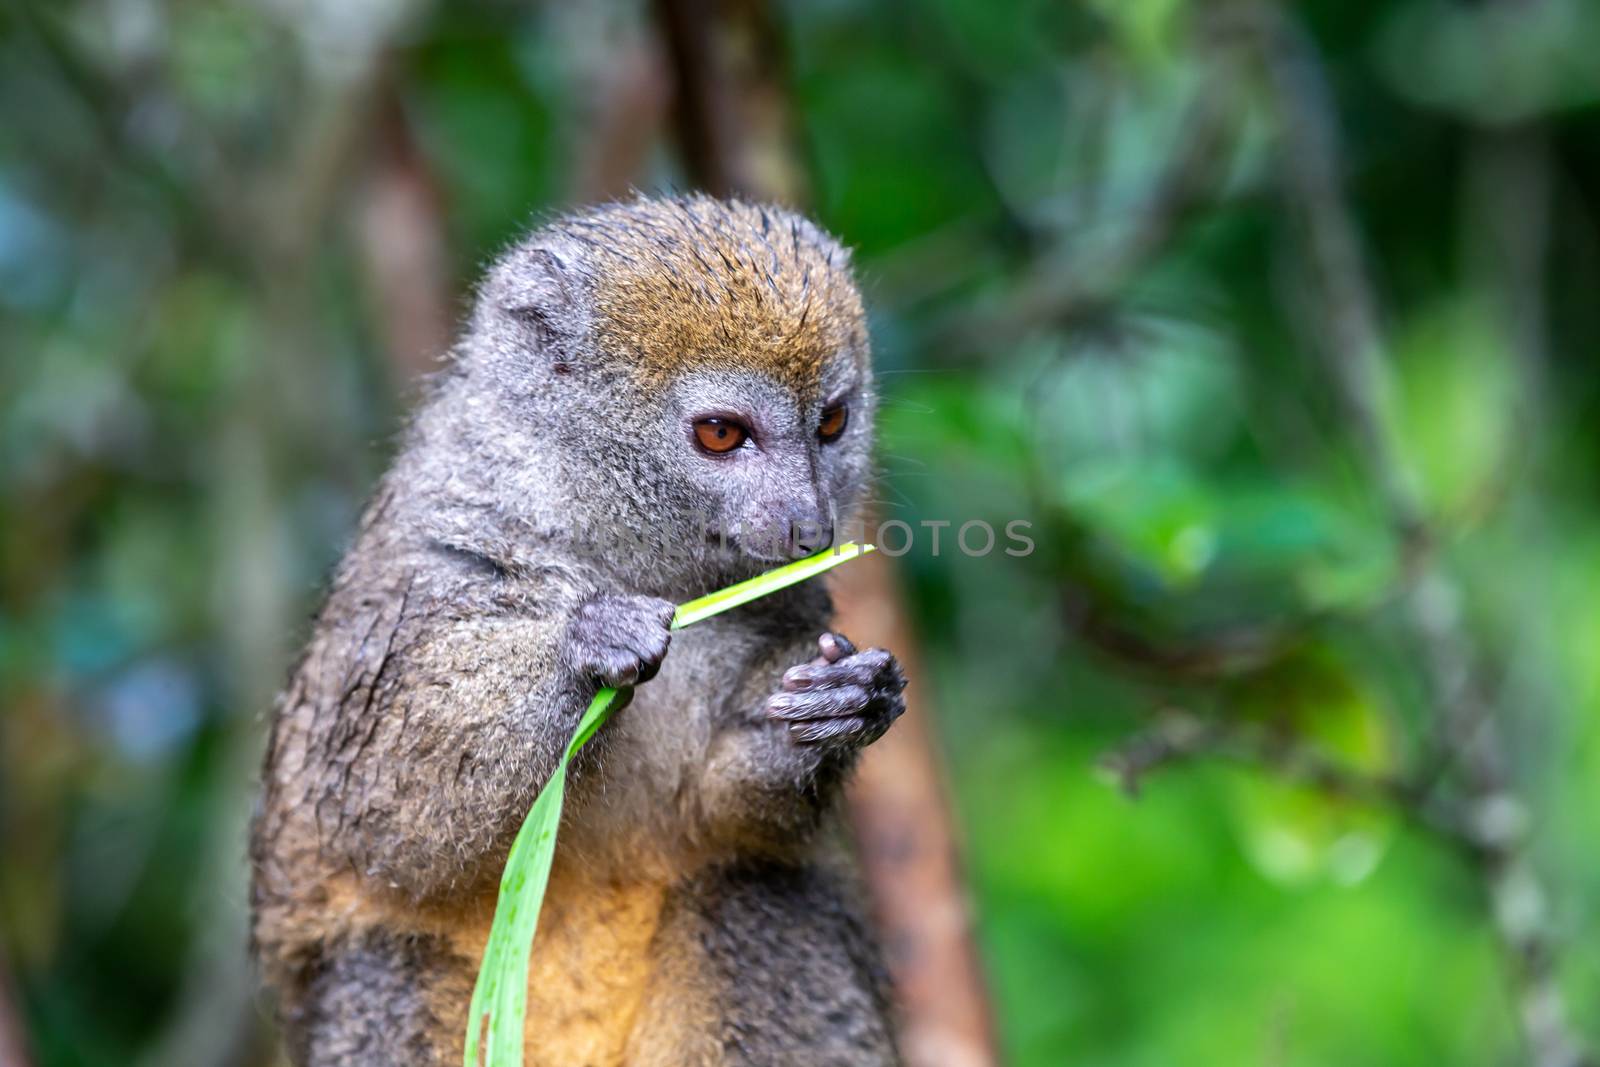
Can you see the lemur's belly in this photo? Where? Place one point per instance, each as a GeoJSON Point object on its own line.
{"type": "Point", "coordinates": [590, 968]}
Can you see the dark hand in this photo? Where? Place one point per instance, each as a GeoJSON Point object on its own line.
{"type": "Point", "coordinates": [620, 640]}
{"type": "Point", "coordinates": [843, 697]}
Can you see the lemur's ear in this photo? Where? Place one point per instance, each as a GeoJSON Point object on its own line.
{"type": "Point", "coordinates": [540, 290]}
{"type": "Point", "coordinates": [535, 286]}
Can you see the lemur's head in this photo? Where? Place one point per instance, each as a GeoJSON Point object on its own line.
{"type": "Point", "coordinates": [703, 365]}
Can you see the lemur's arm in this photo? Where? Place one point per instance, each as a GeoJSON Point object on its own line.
{"type": "Point", "coordinates": [453, 712]}
{"type": "Point", "coordinates": [797, 729]}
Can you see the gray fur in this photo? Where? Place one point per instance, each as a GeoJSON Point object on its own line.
{"type": "Point", "coordinates": [363, 1003]}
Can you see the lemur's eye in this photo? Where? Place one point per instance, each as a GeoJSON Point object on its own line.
{"type": "Point", "coordinates": [834, 420]}
{"type": "Point", "coordinates": [719, 435]}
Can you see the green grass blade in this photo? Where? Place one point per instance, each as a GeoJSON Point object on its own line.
{"type": "Point", "coordinates": [499, 1000]}
{"type": "Point", "coordinates": [764, 584]}
{"type": "Point", "coordinates": [594, 717]}
{"type": "Point", "coordinates": [500, 997]}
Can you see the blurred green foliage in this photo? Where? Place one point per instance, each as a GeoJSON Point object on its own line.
{"type": "Point", "coordinates": [195, 395]}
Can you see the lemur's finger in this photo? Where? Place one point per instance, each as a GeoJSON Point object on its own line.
{"type": "Point", "coordinates": [869, 668]}
{"type": "Point", "coordinates": [852, 730]}
{"type": "Point", "coordinates": [628, 664]}
{"type": "Point", "coordinates": [835, 646]}
{"type": "Point", "coordinates": [648, 645]}
{"type": "Point", "coordinates": [830, 729]}
{"type": "Point", "coordinates": [618, 669]}
{"type": "Point", "coordinates": [828, 703]}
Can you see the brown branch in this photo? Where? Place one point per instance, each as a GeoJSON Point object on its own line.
{"type": "Point", "coordinates": [13, 1040]}
{"type": "Point", "coordinates": [630, 90]}
{"type": "Point", "coordinates": [1185, 180]}
{"type": "Point", "coordinates": [1225, 652]}
{"type": "Point", "coordinates": [187, 184]}
{"type": "Point", "coordinates": [404, 246]}
{"type": "Point", "coordinates": [1350, 333]}
{"type": "Point", "coordinates": [731, 106]}
{"type": "Point", "coordinates": [1508, 206]}
{"type": "Point", "coordinates": [1179, 737]}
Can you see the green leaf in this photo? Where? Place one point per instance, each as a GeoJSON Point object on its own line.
{"type": "Point", "coordinates": [500, 997]}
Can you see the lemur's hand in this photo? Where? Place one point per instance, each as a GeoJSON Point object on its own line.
{"type": "Point", "coordinates": [620, 640]}
{"type": "Point", "coordinates": [842, 698]}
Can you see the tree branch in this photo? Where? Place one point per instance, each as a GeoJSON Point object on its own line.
{"type": "Point", "coordinates": [735, 125]}
{"type": "Point", "coordinates": [1179, 737]}
{"type": "Point", "coordinates": [13, 1042]}
{"type": "Point", "coordinates": [404, 246]}
{"type": "Point", "coordinates": [1224, 652]}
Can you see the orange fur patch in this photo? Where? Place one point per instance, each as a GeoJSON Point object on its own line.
{"type": "Point", "coordinates": [589, 972]}
{"type": "Point", "coordinates": [701, 283]}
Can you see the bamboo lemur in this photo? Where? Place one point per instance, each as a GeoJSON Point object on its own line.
{"type": "Point", "coordinates": [696, 374]}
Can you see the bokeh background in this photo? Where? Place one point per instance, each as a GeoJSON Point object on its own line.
{"type": "Point", "coordinates": [1277, 322]}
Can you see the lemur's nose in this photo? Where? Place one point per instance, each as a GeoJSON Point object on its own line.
{"type": "Point", "coordinates": [809, 529]}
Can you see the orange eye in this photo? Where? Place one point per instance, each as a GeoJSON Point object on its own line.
{"type": "Point", "coordinates": [719, 435]}
{"type": "Point", "coordinates": [834, 420]}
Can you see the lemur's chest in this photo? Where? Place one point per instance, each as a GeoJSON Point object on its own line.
{"type": "Point", "coordinates": [591, 966]}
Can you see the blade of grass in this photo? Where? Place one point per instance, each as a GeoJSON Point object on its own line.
{"type": "Point", "coordinates": [500, 997]}
{"type": "Point", "coordinates": [764, 584]}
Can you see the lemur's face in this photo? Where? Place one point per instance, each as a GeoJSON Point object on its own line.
{"type": "Point", "coordinates": [745, 322]}
{"type": "Point", "coordinates": [775, 470]}
{"type": "Point", "coordinates": [708, 360]}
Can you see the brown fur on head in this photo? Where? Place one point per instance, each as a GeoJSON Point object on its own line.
{"type": "Point", "coordinates": [697, 283]}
